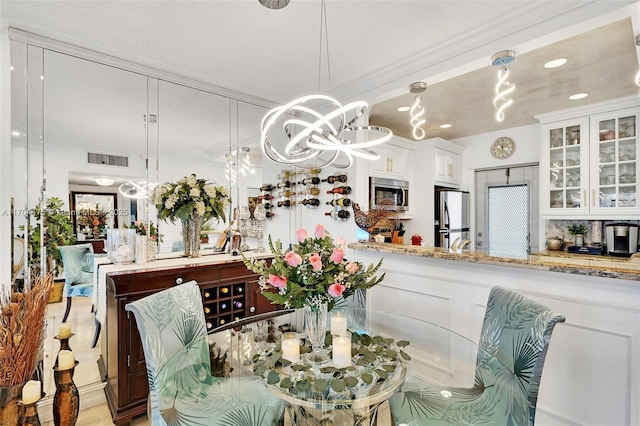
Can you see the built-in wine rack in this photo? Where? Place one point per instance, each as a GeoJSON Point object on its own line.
{"type": "Point", "coordinates": [224, 304]}
{"type": "Point", "coordinates": [340, 193]}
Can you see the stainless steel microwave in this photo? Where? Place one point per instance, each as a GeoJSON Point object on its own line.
{"type": "Point", "coordinates": [388, 193]}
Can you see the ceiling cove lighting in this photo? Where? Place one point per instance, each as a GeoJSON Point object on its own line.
{"type": "Point", "coordinates": [578, 96]}
{"type": "Point", "coordinates": [417, 110]}
{"type": "Point", "coordinates": [503, 88]}
{"type": "Point", "coordinates": [316, 130]}
{"type": "Point", "coordinates": [104, 180]}
{"type": "Point", "coordinates": [555, 63]}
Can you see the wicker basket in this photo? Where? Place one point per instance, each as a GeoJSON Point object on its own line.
{"type": "Point", "coordinates": [56, 293]}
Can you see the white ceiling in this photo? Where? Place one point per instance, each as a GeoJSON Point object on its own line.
{"type": "Point", "coordinates": [376, 48]}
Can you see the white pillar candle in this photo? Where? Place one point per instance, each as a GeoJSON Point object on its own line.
{"type": "Point", "coordinates": [31, 392]}
{"type": "Point", "coordinates": [290, 347]}
{"type": "Point", "coordinates": [338, 324]}
{"type": "Point", "coordinates": [64, 332]}
{"type": "Point", "coordinates": [66, 360]}
{"type": "Point", "coordinates": [342, 350]}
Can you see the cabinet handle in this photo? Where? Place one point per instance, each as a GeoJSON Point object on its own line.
{"type": "Point", "coordinates": [179, 280]}
{"type": "Point", "coordinates": [391, 161]}
{"type": "Point", "coordinates": [388, 164]}
{"type": "Point", "coordinates": [252, 309]}
{"type": "Point", "coordinates": [593, 198]}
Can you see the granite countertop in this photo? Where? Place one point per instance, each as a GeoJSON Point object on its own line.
{"type": "Point", "coordinates": [581, 264]}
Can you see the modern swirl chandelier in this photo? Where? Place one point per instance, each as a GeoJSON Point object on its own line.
{"type": "Point", "coordinates": [316, 130]}
{"type": "Point", "coordinates": [417, 110]}
{"type": "Point", "coordinates": [503, 88]}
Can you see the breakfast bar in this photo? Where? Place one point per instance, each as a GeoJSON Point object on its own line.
{"type": "Point", "coordinates": [595, 361]}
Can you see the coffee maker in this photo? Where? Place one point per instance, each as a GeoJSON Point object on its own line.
{"type": "Point", "coordinates": [621, 238]}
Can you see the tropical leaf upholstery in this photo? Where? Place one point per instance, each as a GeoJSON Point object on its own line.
{"type": "Point", "coordinates": [181, 389]}
{"type": "Point", "coordinates": [78, 276]}
{"type": "Point", "coordinates": [513, 345]}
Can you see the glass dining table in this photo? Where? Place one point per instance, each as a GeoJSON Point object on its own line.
{"type": "Point", "coordinates": [388, 352]}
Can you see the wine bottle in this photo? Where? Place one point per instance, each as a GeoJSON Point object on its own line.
{"type": "Point", "coordinates": [207, 310]}
{"type": "Point", "coordinates": [222, 321]}
{"type": "Point", "coordinates": [267, 206]}
{"type": "Point", "coordinates": [223, 306]}
{"type": "Point", "coordinates": [342, 202]}
{"type": "Point", "coordinates": [313, 180]}
{"type": "Point", "coordinates": [269, 215]}
{"type": "Point", "coordinates": [265, 197]}
{"type": "Point", "coordinates": [340, 214]}
{"type": "Point", "coordinates": [311, 202]}
{"type": "Point", "coordinates": [284, 184]}
{"type": "Point", "coordinates": [340, 190]}
{"type": "Point", "coordinates": [237, 304]}
{"type": "Point", "coordinates": [206, 295]}
{"type": "Point", "coordinates": [236, 242]}
{"type": "Point", "coordinates": [336, 178]}
{"type": "Point", "coordinates": [239, 289]}
{"type": "Point", "coordinates": [224, 290]}
{"type": "Point", "coordinates": [222, 242]}
{"type": "Point", "coordinates": [284, 175]}
{"type": "Point", "coordinates": [267, 187]}
{"type": "Point", "coordinates": [314, 190]}
{"type": "Point", "coordinates": [209, 326]}
{"type": "Point", "coordinates": [285, 203]}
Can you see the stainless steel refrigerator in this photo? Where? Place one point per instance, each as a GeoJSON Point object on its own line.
{"type": "Point", "coordinates": [451, 217]}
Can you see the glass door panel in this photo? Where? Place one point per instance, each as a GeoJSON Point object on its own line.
{"type": "Point", "coordinates": [565, 178]}
{"type": "Point", "coordinates": [617, 163]}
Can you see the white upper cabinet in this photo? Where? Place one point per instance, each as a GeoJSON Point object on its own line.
{"type": "Point", "coordinates": [589, 166]}
{"type": "Point", "coordinates": [446, 167]}
{"type": "Point", "coordinates": [395, 162]}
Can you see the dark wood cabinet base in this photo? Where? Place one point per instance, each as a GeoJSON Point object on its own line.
{"type": "Point", "coordinates": [229, 292]}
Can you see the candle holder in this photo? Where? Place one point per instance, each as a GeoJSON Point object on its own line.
{"type": "Point", "coordinates": [31, 417]}
{"type": "Point", "coordinates": [66, 402]}
{"type": "Point", "coordinates": [64, 346]}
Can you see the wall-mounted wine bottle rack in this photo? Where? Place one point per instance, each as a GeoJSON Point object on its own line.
{"type": "Point", "coordinates": [341, 200]}
{"type": "Point", "coordinates": [308, 188]}
{"type": "Point", "coordinates": [266, 198]}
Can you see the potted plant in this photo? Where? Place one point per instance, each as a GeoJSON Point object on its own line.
{"type": "Point", "coordinates": [205, 230]}
{"type": "Point", "coordinates": [58, 232]}
{"type": "Point", "coordinates": [579, 230]}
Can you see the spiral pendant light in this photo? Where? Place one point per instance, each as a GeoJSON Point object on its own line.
{"type": "Point", "coordinates": [417, 110]}
{"type": "Point", "coordinates": [503, 88]}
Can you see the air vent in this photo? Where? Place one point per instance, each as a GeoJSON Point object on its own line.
{"type": "Point", "coordinates": [108, 160]}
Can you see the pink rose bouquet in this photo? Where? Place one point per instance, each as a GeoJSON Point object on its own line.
{"type": "Point", "coordinates": [313, 271]}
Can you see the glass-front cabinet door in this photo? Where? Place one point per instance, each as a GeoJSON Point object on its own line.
{"type": "Point", "coordinates": [614, 162]}
{"type": "Point", "coordinates": [565, 159]}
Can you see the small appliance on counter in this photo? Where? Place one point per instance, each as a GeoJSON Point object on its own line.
{"type": "Point", "coordinates": [621, 239]}
{"type": "Point", "coordinates": [593, 250]}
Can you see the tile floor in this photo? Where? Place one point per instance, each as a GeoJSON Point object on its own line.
{"type": "Point", "coordinates": [83, 328]}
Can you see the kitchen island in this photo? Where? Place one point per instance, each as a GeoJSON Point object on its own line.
{"type": "Point", "coordinates": [592, 370]}
{"type": "Point", "coordinates": [555, 261]}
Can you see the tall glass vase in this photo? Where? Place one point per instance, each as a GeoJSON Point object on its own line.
{"type": "Point", "coordinates": [195, 226]}
{"type": "Point", "coordinates": [315, 319]}
{"type": "Point", "coordinates": [186, 237]}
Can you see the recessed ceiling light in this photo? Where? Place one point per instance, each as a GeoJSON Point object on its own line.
{"type": "Point", "coordinates": [556, 63]}
{"type": "Point", "coordinates": [445, 126]}
{"type": "Point", "coordinates": [578, 96]}
{"type": "Point", "coordinates": [403, 108]}
{"type": "Point", "coordinates": [15, 133]}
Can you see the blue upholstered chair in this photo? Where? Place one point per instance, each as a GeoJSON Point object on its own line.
{"type": "Point", "coordinates": [181, 389]}
{"type": "Point", "coordinates": [78, 272]}
{"type": "Point", "coordinates": [513, 346]}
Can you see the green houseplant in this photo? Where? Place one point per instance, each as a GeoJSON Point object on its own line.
{"type": "Point", "coordinates": [58, 232]}
{"type": "Point", "coordinates": [579, 230]}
